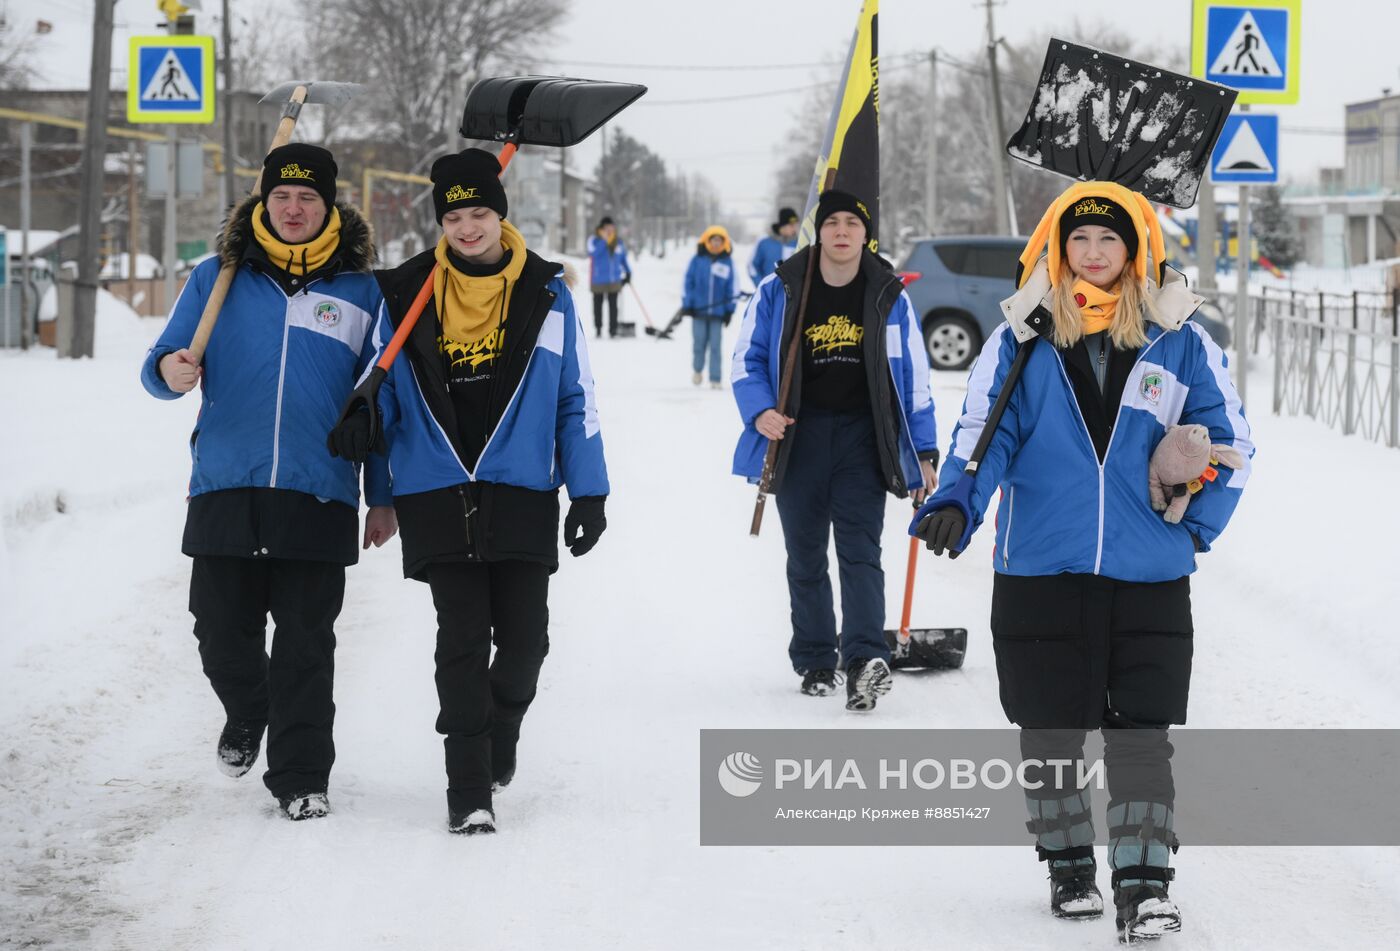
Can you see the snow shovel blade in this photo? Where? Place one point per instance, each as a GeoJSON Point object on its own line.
{"type": "Point", "coordinates": [933, 648]}
{"type": "Point", "coordinates": [319, 92]}
{"type": "Point", "coordinates": [1096, 116]}
{"type": "Point", "coordinates": [543, 110]}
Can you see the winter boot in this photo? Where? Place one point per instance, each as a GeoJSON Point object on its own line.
{"type": "Point", "coordinates": [819, 683]}
{"type": "Point", "coordinates": [866, 679]}
{"type": "Point", "coordinates": [696, 377]}
{"type": "Point", "coordinates": [504, 739]}
{"type": "Point", "coordinates": [1064, 836]}
{"type": "Point", "coordinates": [716, 385]}
{"type": "Point", "coordinates": [1140, 845]}
{"type": "Point", "coordinates": [238, 746]}
{"type": "Point", "coordinates": [311, 805]}
{"type": "Point", "coordinates": [475, 822]}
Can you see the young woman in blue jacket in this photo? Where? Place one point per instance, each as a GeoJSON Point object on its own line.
{"type": "Point", "coordinates": [608, 271]}
{"type": "Point", "coordinates": [487, 411]}
{"type": "Point", "coordinates": [1091, 609]}
{"type": "Point", "coordinates": [709, 298]}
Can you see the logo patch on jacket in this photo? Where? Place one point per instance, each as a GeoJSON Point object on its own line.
{"type": "Point", "coordinates": [1152, 387]}
{"type": "Point", "coordinates": [838, 332]}
{"type": "Point", "coordinates": [458, 193]}
{"type": "Point", "coordinates": [327, 314]}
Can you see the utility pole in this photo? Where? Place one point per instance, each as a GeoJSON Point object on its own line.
{"type": "Point", "coordinates": [90, 200]}
{"type": "Point", "coordinates": [563, 201]}
{"type": "Point", "coordinates": [26, 291]}
{"type": "Point", "coordinates": [168, 252]}
{"type": "Point", "coordinates": [1242, 290]}
{"type": "Point", "coordinates": [133, 223]}
{"type": "Point", "coordinates": [931, 149]}
{"type": "Point", "coordinates": [1205, 234]}
{"type": "Point", "coordinates": [1003, 224]}
{"type": "Point", "coordinates": [230, 188]}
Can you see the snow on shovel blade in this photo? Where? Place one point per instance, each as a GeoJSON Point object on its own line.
{"type": "Point", "coordinates": [1097, 116]}
{"type": "Point", "coordinates": [934, 648]}
{"type": "Point", "coordinates": [543, 110]}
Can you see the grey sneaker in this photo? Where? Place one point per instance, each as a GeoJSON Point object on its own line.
{"type": "Point", "coordinates": [866, 679]}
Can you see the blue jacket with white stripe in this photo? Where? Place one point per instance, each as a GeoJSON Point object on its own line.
{"type": "Point", "coordinates": [277, 370]}
{"type": "Point", "coordinates": [709, 285]}
{"type": "Point", "coordinates": [1062, 510]}
{"type": "Point", "coordinates": [606, 265]}
{"type": "Point", "coordinates": [896, 369]}
{"type": "Point", "coordinates": [768, 253]}
{"type": "Point", "coordinates": [541, 421]}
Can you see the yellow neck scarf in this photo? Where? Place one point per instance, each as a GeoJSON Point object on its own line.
{"type": "Point", "coordinates": [471, 307]}
{"type": "Point", "coordinates": [300, 259]}
{"type": "Point", "coordinates": [1096, 306]}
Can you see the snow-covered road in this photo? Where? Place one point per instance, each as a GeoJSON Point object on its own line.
{"type": "Point", "coordinates": [116, 830]}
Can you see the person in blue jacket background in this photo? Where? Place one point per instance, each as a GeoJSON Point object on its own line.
{"type": "Point", "coordinates": [271, 521]}
{"type": "Point", "coordinates": [608, 271]}
{"type": "Point", "coordinates": [1091, 609]}
{"type": "Point", "coordinates": [487, 411]}
{"type": "Point", "coordinates": [709, 299]}
{"type": "Point", "coordinates": [772, 250]}
{"type": "Point", "coordinates": [860, 425]}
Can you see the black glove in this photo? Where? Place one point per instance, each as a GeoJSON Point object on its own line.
{"type": "Point", "coordinates": [358, 432]}
{"type": "Point", "coordinates": [626, 279]}
{"type": "Point", "coordinates": [350, 437]}
{"type": "Point", "coordinates": [584, 524]}
{"type": "Point", "coordinates": [942, 530]}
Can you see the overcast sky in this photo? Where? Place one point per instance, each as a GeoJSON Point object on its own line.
{"type": "Point", "coordinates": [1350, 51]}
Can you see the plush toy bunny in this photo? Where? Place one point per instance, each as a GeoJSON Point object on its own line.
{"type": "Point", "coordinates": [1182, 463]}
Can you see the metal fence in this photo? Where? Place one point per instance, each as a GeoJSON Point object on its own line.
{"type": "Point", "coordinates": [1336, 358]}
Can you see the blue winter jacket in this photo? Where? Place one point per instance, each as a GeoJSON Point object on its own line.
{"type": "Point", "coordinates": [896, 360]}
{"type": "Point", "coordinates": [277, 372]}
{"type": "Point", "coordinates": [709, 285]}
{"type": "Point", "coordinates": [547, 435]}
{"type": "Point", "coordinates": [1061, 509]}
{"type": "Point", "coordinates": [607, 266]}
{"type": "Point", "coordinates": [767, 255]}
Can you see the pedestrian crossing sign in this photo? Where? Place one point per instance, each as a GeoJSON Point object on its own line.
{"type": "Point", "coordinates": [1249, 45]}
{"type": "Point", "coordinates": [170, 79]}
{"type": "Point", "coordinates": [1247, 150]}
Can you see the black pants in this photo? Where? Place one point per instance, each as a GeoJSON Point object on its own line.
{"type": "Point", "coordinates": [598, 312]}
{"type": "Point", "coordinates": [1082, 652]}
{"type": "Point", "coordinates": [291, 691]}
{"type": "Point", "coordinates": [482, 701]}
{"type": "Point", "coordinates": [833, 485]}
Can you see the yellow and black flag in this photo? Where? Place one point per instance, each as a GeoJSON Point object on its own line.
{"type": "Point", "coordinates": [851, 145]}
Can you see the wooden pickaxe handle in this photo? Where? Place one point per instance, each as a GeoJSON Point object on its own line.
{"type": "Point", "coordinates": [215, 303]}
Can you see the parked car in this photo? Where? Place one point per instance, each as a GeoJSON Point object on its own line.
{"type": "Point", "coordinates": [957, 284]}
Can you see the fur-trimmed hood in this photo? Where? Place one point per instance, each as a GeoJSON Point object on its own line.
{"type": "Point", "coordinates": [355, 254]}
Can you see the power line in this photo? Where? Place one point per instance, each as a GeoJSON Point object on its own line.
{"type": "Point", "coordinates": [765, 93]}
{"type": "Point", "coordinates": [696, 68]}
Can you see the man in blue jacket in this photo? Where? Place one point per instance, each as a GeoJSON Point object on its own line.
{"type": "Point", "coordinates": [859, 423]}
{"type": "Point", "coordinates": [608, 271]}
{"type": "Point", "coordinates": [776, 248]}
{"type": "Point", "coordinates": [272, 519]}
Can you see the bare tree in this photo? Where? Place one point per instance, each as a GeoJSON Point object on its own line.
{"type": "Point", "coordinates": [17, 48]}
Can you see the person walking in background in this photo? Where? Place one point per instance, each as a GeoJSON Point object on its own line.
{"type": "Point", "coordinates": [1091, 599]}
{"type": "Point", "coordinates": [709, 299]}
{"type": "Point", "coordinates": [271, 520]}
{"type": "Point", "coordinates": [860, 425]}
{"type": "Point", "coordinates": [487, 412]}
{"type": "Point", "coordinates": [608, 271]}
{"type": "Point", "coordinates": [772, 250]}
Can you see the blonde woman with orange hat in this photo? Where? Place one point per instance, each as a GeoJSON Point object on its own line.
{"type": "Point", "coordinates": [709, 298]}
{"type": "Point", "coordinates": [1091, 608]}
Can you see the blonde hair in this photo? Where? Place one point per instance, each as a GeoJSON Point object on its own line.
{"type": "Point", "coordinates": [1128, 331]}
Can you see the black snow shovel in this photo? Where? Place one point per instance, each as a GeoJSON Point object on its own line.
{"type": "Point", "coordinates": [928, 648]}
{"type": "Point", "coordinates": [1097, 116]}
{"type": "Point", "coordinates": [515, 110]}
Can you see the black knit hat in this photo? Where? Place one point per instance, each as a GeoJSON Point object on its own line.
{"type": "Point", "coordinates": [467, 179]}
{"type": "Point", "coordinates": [299, 163]}
{"type": "Point", "coordinates": [1103, 212]}
{"type": "Point", "coordinates": [603, 223]}
{"type": "Point", "coordinates": [833, 201]}
{"type": "Point", "coordinates": [786, 216]}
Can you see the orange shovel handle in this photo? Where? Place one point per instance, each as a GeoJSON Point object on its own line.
{"type": "Point", "coordinates": [909, 589]}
